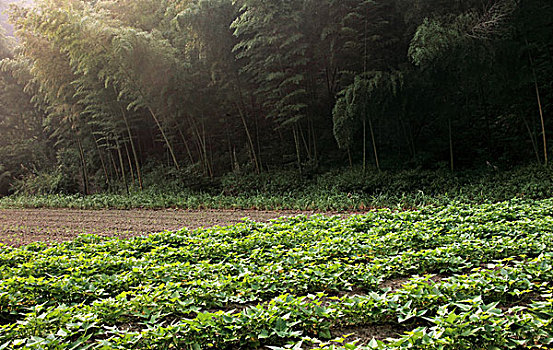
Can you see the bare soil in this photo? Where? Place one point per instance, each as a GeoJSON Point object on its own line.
{"type": "Point", "coordinates": [365, 333]}
{"type": "Point", "coordinates": [20, 227]}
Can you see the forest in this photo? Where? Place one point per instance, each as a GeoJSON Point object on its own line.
{"type": "Point", "coordinates": [276, 174]}
{"type": "Point", "coordinates": [98, 95]}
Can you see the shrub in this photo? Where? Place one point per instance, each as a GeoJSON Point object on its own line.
{"type": "Point", "coordinates": [44, 183]}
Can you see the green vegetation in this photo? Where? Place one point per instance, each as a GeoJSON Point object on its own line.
{"type": "Point", "coordinates": [448, 277]}
{"type": "Point", "coordinates": [333, 191]}
{"type": "Point", "coordinates": [439, 107]}
{"type": "Point", "coordinates": [99, 95]}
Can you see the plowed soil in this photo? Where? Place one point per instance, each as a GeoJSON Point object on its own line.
{"type": "Point", "coordinates": [20, 227]}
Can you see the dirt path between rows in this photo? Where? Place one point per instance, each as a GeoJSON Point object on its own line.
{"type": "Point", "coordinates": [19, 227]}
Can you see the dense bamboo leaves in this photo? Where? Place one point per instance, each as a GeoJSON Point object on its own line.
{"type": "Point", "coordinates": [24, 147]}
{"type": "Point", "coordinates": [218, 86]}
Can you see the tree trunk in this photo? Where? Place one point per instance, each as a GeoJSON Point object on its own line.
{"type": "Point", "coordinates": [538, 97]}
{"type": "Point", "coordinates": [208, 156]}
{"type": "Point", "coordinates": [229, 145]}
{"type": "Point", "coordinates": [364, 146]}
{"type": "Point", "coordinates": [451, 160]}
{"type": "Point", "coordinates": [377, 161]}
{"type": "Point", "coordinates": [104, 167]}
{"type": "Point", "coordinates": [315, 148]}
{"type": "Point", "coordinates": [250, 141]}
{"type": "Point", "coordinates": [544, 138]}
{"type": "Point", "coordinates": [198, 142]}
{"type": "Point", "coordinates": [188, 151]}
{"type": "Point", "coordinates": [130, 163]}
{"type": "Point", "coordinates": [201, 144]}
{"type": "Point", "coordinates": [305, 143]}
{"type": "Point", "coordinates": [259, 159]}
{"type": "Point", "coordinates": [243, 117]}
{"type": "Point", "coordinates": [83, 166]}
{"type": "Point", "coordinates": [114, 166]}
{"type": "Point", "coordinates": [122, 165]}
{"type": "Point", "coordinates": [532, 140]}
{"type": "Point", "coordinates": [169, 147]}
{"type": "Point", "coordinates": [133, 148]}
{"type": "Point", "coordinates": [297, 143]}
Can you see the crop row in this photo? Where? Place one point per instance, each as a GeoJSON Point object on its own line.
{"type": "Point", "coordinates": [257, 277]}
{"type": "Point", "coordinates": [291, 281]}
{"type": "Point", "coordinates": [470, 302]}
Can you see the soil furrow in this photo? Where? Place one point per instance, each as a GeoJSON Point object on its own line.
{"type": "Point", "coordinates": [24, 226]}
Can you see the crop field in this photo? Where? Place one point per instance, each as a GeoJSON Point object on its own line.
{"type": "Point", "coordinates": [451, 277]}
{"type": "Point", "coordinates": [23, 226]}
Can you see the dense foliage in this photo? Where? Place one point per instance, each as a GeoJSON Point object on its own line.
{"type": "Point", "coordinates": [338, 190]}
{"type": "Point", "coordinates": [450, 277]}
{"type": "Point", "coordinates": [95, 94]}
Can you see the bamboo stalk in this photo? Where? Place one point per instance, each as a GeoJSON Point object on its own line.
{"type": "Point", "coordinates": [172, 153]}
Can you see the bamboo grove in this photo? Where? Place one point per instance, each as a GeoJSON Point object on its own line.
{"type": "Point", "coordinates": [101, 92]}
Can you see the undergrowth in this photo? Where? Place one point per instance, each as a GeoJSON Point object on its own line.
{"type": "Point", "coordinates": [351, 190]}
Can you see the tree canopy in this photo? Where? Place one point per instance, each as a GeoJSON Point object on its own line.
{"type": "Point", "coordinates": [99, 90]}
